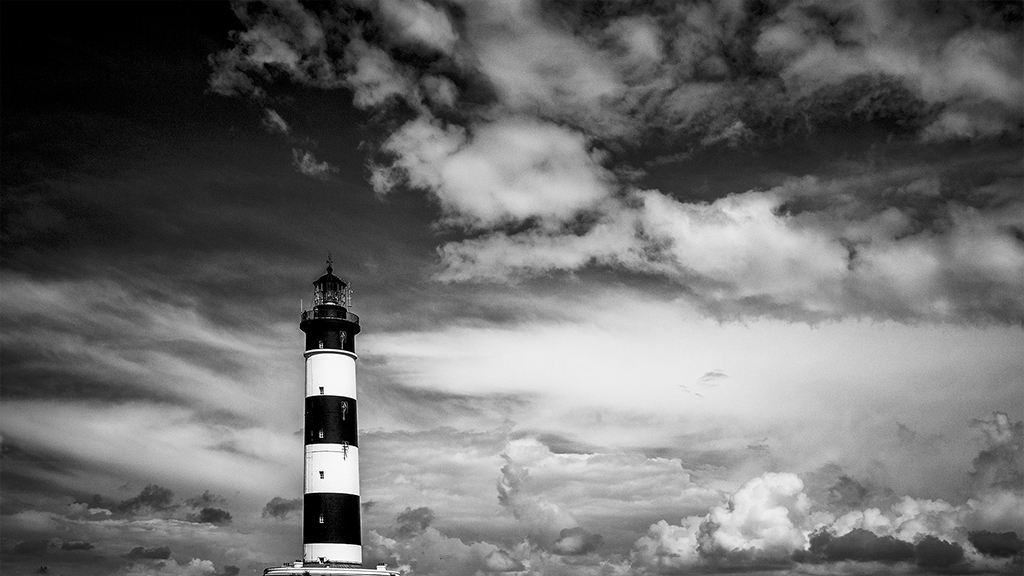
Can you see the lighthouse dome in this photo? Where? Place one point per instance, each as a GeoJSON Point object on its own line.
{"type": "Point", "coordinates": [329, 279]}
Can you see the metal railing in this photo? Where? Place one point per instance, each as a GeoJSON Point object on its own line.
{"type": "Point", "coordinates": [332, 313]}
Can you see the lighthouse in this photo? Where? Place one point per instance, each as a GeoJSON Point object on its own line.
{"type": "Point", "coordinates": [331, 531]}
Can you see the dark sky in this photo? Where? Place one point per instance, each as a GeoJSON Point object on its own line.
{"type": "Point", "coordinates": [646, 288]}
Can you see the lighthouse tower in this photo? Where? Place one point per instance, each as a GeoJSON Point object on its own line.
{"type": "Point", "coordinates": [331, 534]}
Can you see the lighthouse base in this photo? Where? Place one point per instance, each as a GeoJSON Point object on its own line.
{"type": "Point", "coordinates": [315, 569]}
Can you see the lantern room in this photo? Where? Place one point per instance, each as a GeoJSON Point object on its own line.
{"type": "Point", "coordinates": [331, 290]}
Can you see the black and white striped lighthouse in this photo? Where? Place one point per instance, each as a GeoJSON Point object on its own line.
{"type": "Point", "coordinates": [330, 507]}
{"type": "Point", "coordinates": [331, 533]}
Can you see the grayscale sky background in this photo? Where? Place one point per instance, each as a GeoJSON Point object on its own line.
{"type": "Point", "coordinates": [646, 288]}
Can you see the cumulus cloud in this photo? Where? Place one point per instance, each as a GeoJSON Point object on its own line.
{"type": "Point", "coordinates": [771, 521]}
{"type": "Point", "coordinates": [503, 172]}
{"type": "Point", "coordinates": [667, 548]}
{"type": "Point", "coordinates": [765, 518]}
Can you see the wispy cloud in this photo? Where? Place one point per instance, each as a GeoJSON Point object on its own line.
{"type": "Point", "coordinates": [307, 164]}
{"type": "Point", "coordinates": [273, 122]}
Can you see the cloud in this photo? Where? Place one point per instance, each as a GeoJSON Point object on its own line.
{"type": "Point", "coordinates": [412, 522]}
{"type": "Point", "coordinates": [771, 521]}
{"type": "Point", "coordinates": [667, 548]}
{"type": "Point", "coordinates": [543, 519]}
{"type": "Point", "coordinates": [941, 55]}
{"type": "Point", "coordinates": [502, 257]}
{"type": "Point", "coordinates": [33, 547]}
{"type": "Point", "coordinates": [500, 561]}
{"type": "Point", "coordinates": [1000, 464]}
{"type": "Point", "coordinates": [860, 545]}
{"type": "Point", "coordinates": [935, 553]}
{"type": "Point", "coordinates": [307, 164]}
{"type": "Point", "coordinates": [282, 508]}
{"type": "Point", "coordinates": [101, 540]}
{"type": "Point", "coordinates": [211, 515]}
{"type": "Point", "coordinates": [274, 123]}
{"type": "Point", "coordinates": [76, 546]}
{"type": "Point", "coordinates": [418, 24]}
{"type": "Point", "coordinates": [431, 553]}
{"type": "Point", "coordinates": [152, 498]}
{"type": "Point", "coordinates": [548, 97]}
{"type": "Point", "coordinates": [159, 553]}
{"type": "Point", "coordinates": [507, 171]}
{"type": "Point", "coordinates": [765, 518]}
{"type": "Point", "coordinates": [281, 38]}
{"type": "Point", "coordinates": [711, 378]}
{"type": "Point", "coordinates": [576, 540]}
{"type": "Point", "coordinates": [572, 503]}
{"type": "Point", "coordinates": [140, 335]}
{"type": "Point", "coordinates": [375, 77]}
{"type": "Point", "coordinates": [999, 544]}
{"type": "Point", "coordinates": [539, 67]}
{"type": "Point", "coordinates": [204, 499]}
{"type": "Point", "coordinates": [751, 253]}
{"type": "Point", "coordinates": [194, 567]}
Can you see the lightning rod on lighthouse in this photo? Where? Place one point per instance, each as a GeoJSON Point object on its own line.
{"type": "Point", "coordinates": [331, 531]}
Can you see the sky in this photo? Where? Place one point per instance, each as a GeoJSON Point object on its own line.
{"type": "Point", "coordinates": [646, 288]}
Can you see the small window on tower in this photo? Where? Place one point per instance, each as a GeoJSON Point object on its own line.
{"type": "Point", "coordinates": [321, 389]}
{"type": "Point", "coordinates": [321, 474]}
{"type": "Point", "coordinates": [321, 518]}
{"type": "Point", "coordinates": [321, 343]}
{"type": "Point", "coordinates": [321, 432]}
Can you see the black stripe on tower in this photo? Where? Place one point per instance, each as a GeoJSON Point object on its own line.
{"type": "Point", "coordinates": [333, 328]}
{"type": "Point", "coordinates": [329, 518]}
{"type": "Point", "coordinates": [331, 420]}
